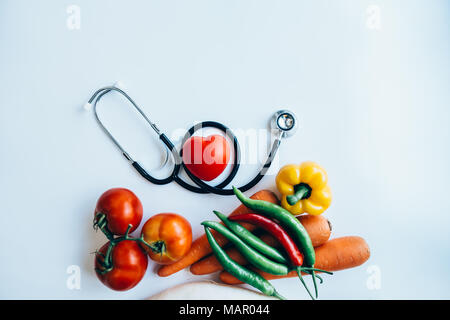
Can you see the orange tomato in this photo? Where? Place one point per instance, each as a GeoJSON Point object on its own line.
{"type": "Point", "coordinates": [169, 237]}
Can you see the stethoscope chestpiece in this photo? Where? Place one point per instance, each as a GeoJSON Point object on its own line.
{"type": "Point", "coordinates": [285, 122]}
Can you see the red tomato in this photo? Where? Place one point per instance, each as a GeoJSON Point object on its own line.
{"type": "Point", "coordinates": [206, 157]}
{"type": "Point", "coordinates": [121, 207]}
{"type": "Point", "coordinates": [129, 263]}
{"type": "Point", "coordinates": [169, 234]}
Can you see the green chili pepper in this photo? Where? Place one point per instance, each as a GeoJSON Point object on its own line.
{"type": "Point", "coordinates": [297, 231]}
{"type": "Point", "coordinates": [250, 239]}
{"type": "Point", "coordinates": [252, 256]}
{"type": "Point", "coordinates": [243, 274]}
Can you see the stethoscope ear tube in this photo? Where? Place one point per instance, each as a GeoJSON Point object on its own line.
{"type": "Point", "coordinates": [150, 178]}
{"type": "Point", "coordinates": [200, 186]}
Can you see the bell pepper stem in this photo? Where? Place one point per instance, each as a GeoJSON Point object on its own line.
{"type": "Point", "coordinates": [301, 191]}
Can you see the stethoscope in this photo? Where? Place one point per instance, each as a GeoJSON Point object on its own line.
{"type": "Point", "coordinates": [284, 121]}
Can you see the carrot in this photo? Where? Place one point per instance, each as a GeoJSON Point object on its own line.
{"type": "Point", "coordinates": [200, 247]}
{"type": "Point", "coordinates": [336, 254]}
{"type": "Point", "coordinates": [318, 228]}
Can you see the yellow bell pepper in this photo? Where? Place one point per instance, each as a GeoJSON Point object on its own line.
{"type": "Point", "coordinates": [304, 188]}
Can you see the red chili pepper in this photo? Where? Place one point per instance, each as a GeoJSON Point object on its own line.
{"type": "Point", "coordinates": [277, 231]}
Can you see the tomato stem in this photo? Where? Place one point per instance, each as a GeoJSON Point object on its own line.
{"type": "Point", "coordinates": [107, 264]}
{"type": "Point", "coordinates": [101, 223]}
{"type": "Point", "coordinates": [106, 261]}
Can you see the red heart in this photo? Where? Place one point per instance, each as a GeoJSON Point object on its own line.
{"type": "Point", "coordinates": [206, 157]}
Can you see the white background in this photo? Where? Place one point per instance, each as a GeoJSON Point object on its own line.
{"type": "Point", "coordinates": [373, 103]}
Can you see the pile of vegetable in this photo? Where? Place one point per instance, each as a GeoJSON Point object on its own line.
{"type": "Point", "coordinates": [290, 245]}
{"type": "Point", "coordinates": [268, 239]}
